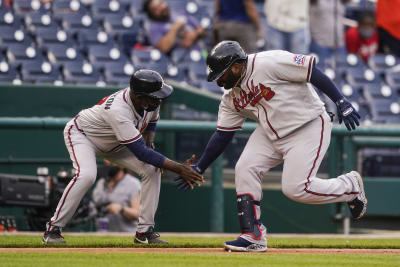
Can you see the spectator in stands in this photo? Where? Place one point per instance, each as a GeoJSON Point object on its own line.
{"type": "Point", "coordinates": [388, 21]}
{"type": "Point", "coordinates": [238, 20]}
{"type": "Point", "coordinates": [363, 39]}
{"type": "Point", "coordinates": [118, 198]}
{"type": "Point", "coordinates": [327, 28]}
{"type": "Point", "coordinates": [287, 25]}
{"type": "Point", "coordinates": [168, 30]}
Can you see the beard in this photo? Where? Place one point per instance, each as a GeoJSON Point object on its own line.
{"type": "Point", "coordinates": [230, 81]}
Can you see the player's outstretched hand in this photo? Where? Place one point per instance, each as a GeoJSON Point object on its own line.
{"type": "Point", "coordinates": [348, 114]}
{"type": "Point", "coordinates": [189, 176]}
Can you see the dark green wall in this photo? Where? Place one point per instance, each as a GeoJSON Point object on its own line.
{"type": "Point", "coordinates": [190, 212]}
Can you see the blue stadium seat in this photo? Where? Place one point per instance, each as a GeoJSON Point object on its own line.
{"type": "Point", "coordinates": [187, 56]}
{"type": "Point", "coordinates": [10, 36]}
{"type": "Point", "coordinates": [176, 73]}
{"type": "Point", "coordinates": [41, 70]}
{"type": "Point", "coordinates": [117, 73]}
{"type": "Point", "coordinates": [140, 57]}
{"type": "Point", "coordinates": [380, 62]}
{"type": "Point", "coordinates": [379, 91]}
{"type": "Point", "coordinates": [344, 61]}
{"type": "Point", "coordinates": [33, 21]}
{"type": "Point", "coordinates": [392, 78]}
{"type": "Point", "coordinates": [117, 24]}
{"type": "Point", "coordinates": [7, 18]}
{"type": "Point", "coordinates": [66, 8]}
{"type": "Point", "coordinates": [198, 72]}
{"type": "Point", "coordinates": [361, 76]}
{"type": "Point", "coordinates": [61, 53]}
{"type": "Point", "coordinates": [102, 8]}
{"type": "Point", "coordinates": [18, 53]}
{"type": "Point", "coordinates": [8, 73]}
{"type": "Point", "coordinates": [89, 38]}
{"type": "Point", "coordinates": [100, 55]}
{"type": "Point", "coordinates": [46, 37]}
{"type": "Point", "coordinates": [159, 66]}
{"type": "Point", "coordinates": [79, 23]}
{"type": "Point", "coordinates": [25, 6]}
{"type": "Point", "coordinates": [80, 73]}
{"type": "Point", "coordinates": [353, 93]}
{"type": "Point", "coordinates": [385, 110]}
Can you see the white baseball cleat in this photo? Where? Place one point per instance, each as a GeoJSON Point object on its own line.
{"type": "Point", "coordinates": [358, 206]}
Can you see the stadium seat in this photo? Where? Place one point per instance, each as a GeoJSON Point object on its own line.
{"type": "Point", "coordinates": [379, 62]}
{"type": "Point", "coordinates": [8, 73]}
{"type": "Point", "coordinates": [46, 37]}
{"type": "Point", "coordinates": [25, 6]}
{"type": "Point", "coordinates": [385, 111]}
{"type": "Point", "coordinates": [117, 73]}
{"type": "Point", "coordinates": [159, 66]}
{"type": "Point", "coordinates": [7, 18]}
{"type": "Point", "coordinates": [10, 35]}
{"type": "Point", "coordinates": [66, 8]}
{"type": "Point", "coordinates": [99, 55]}
{"type": "Point", "coordinates": [80, 73]}
{"type": "Point", "coordinates": [18, 53]}
{"type": "Point", "coordinates": [61, 53]}
{"type": "Point", "coordinates": [141, 57]}
{"type": "Point", "coordinates": [120, 24]}
{"type": "Point", "coordinates": [79, 23]}
{"type": "Point", "coordinates": [102, 8]}
{"type": "Point", "coordinates": [379, 91]}
{"type": "Point", "coordinates": [361, 76]}
{"type": "Point", "coordinates": [198, 72]}
{"type": "Point", "coordinates": [344, 61]}
{"type": "Point", "coordinates": [176, 73]}
{"type": "Point", "coordinates": [89, 38]}
{"type": "Point", "coordinates": [33, 21]}
{"type": "Point", "coordinates": [42, 70]}
{"type": "Point", "coordinates": [392, 78]}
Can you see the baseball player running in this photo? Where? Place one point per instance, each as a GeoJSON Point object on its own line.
{"type": "Point", "coordinates": [271, 88]}
{"type": "Point", "coordinates": [121, 128]}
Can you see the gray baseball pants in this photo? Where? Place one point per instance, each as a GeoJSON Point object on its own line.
{"type": "Point", "coordinates": [83, 155]}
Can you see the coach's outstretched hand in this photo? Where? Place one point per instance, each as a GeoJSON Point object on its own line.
{"type": "Point", "coordinates": [348, 114]}
{"type": "Point", "coordinates": [184, 184]}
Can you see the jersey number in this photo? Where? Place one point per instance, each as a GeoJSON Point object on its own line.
{"type": "Point", "coordinates": [265, 92]}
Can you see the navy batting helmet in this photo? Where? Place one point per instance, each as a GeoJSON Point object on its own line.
{"type": "Point", "coordinates": [150, 83]}
{"type": "Point", "coordinates": [222, 57]}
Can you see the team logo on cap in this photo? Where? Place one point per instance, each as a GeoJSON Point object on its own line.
{"type": "Point", "coordinates": [299, 59]}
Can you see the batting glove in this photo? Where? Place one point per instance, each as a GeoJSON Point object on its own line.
{"type": "Point", "coordinates": [348, 114]}
{"type": "Point", "coordinates": [181, 184]}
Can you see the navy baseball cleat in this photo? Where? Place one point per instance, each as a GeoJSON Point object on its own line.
{"type": "Point", "coordinates": [243, 245]}
{"type": "Point", "coordinates": [358, 206]}
{"type": "Point", "coordinates": [53, 236]}
{"type": "Point", "coordinates": [149, 237]}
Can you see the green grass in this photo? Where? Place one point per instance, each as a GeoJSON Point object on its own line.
{"type": "Point", "coordinates": [19, 241]}
{"type": "Point", "coordinates": [228, 259]}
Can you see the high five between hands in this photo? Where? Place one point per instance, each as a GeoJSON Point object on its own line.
{"type": "Point", "coordinates": [184, 182]}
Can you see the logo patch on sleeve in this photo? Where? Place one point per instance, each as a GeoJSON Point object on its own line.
{"type": "Point", "coordinates": [299, 59]}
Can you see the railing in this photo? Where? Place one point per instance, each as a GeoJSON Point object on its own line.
{"type": "Point", "coordinates": [341, 155]}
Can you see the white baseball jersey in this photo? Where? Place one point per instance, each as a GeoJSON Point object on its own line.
{"type": "Point", "coordinates": [113, 121]}
{"type": "Point", "coordinates": [274, 92]}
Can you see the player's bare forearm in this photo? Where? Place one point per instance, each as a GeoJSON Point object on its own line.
{"type": "Point", "coordinates": [149, 137]}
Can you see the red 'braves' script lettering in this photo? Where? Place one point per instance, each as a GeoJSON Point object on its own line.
{"type": "Point", "coordinates": [253, 96]}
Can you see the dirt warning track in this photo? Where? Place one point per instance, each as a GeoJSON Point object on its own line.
{"type": "Point", "coordinates": [197, 250]}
